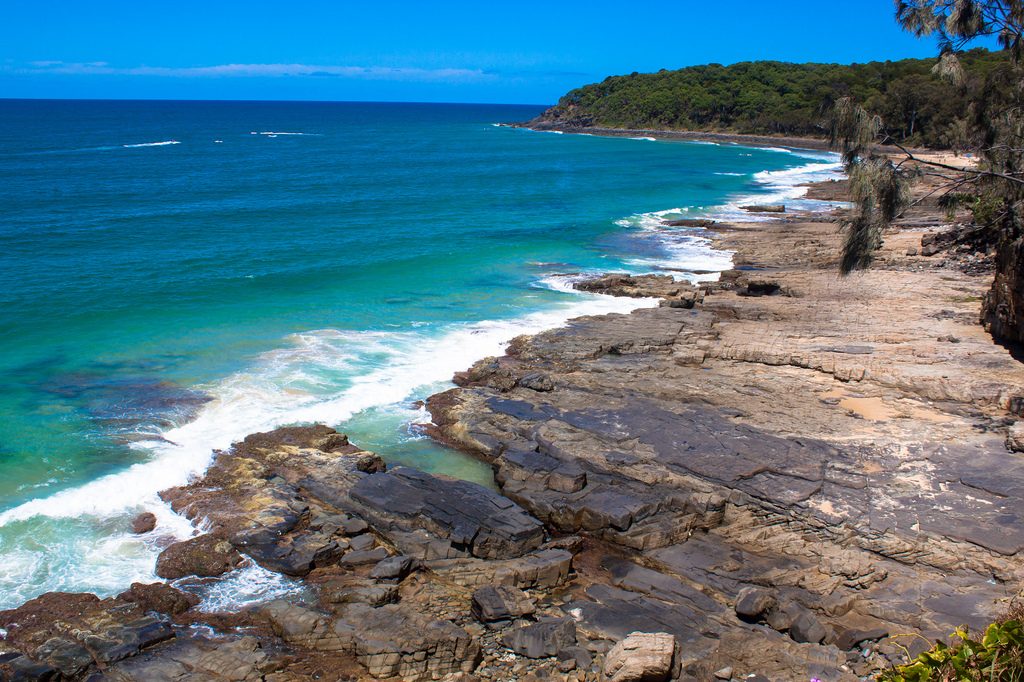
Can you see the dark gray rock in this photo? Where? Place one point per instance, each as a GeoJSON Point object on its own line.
{"type": "Point", "coordinates": [582, 657]}
{"type": "Point", "coordinates": [393, 568]}
{"type": "Point", "coordinates": [543, 639]}
{"type": "Point", "coordinates": [848, 639]}
{"type": "Point", "coordinates": [807, 628]}
{"type": "Point", "coordinates": [363, 557]}
{"type": "Point", "coordinates": [753, 603]}
{"type": "Point", "coordinates": [362, 542]}
{"type": "Point", "coordinates": [488, 525]}
{"type": "Point", "coordinates": [24, 669]}
{"type": "Point", "coordinates": [297, 554]}
{"type": "Point", "coordinates": [351, 527]}
{"type": "Point", "coordinates": [70, 658]}
{"type": "Point", "coordinates": [501, 603]}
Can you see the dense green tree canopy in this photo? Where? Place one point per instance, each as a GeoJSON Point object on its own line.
{"type": "Point", "coordinates": [778, 97]}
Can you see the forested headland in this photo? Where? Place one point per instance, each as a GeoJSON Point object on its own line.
{"type": "Point", "coordinates": [769, 97]}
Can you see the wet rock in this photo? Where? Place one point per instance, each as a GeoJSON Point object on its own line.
{"type": "Point", "coordinates": [641, 657]}
{"type": "Point", "coordinates": [393, 568]}
{"type": "Point", "coordinates": [143, 523]}
{"type": "Point", "coordinates": [298, 554]}
{"type": "Point", "coordinates": [203, 556]}
{"type": "Point", "coordinates": [70, 658]}
{"type": "Point", "coordinates": [499, 603]}
{"type": "Point", "coordinates": [543, 639]}
{"type": "Point", "coordinates": [160, 597]}
{"type": "Point", "coordinates": [25, 669]}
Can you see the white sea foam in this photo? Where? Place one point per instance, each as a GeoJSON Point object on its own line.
{"type": "Point", "coordinates": [153, 144]}
{"type": "Point", "coordinates": [324, 375]}
{"type": "Point", "coordinates": [691, 256]}
{"type": "Point", "coordinates": [648, 139]}
{"type": "Point", "coordinates": [270, 132]}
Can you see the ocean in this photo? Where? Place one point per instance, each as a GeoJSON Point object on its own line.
{"type": "Point", "coordinates": [177, 275]}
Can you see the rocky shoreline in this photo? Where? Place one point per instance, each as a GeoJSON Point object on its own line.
{"type": "Point", "coordinates": [778, 476]}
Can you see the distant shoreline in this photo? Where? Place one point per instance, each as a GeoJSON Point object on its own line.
{"type": "Point", "coordinates": [701, 136]}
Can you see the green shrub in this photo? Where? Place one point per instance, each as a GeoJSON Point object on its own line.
{"type": "Point", "coordinates": [997, 657]}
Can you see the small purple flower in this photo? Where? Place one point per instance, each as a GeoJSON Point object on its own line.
{"type": "Point", "coordinates": [815, 679]}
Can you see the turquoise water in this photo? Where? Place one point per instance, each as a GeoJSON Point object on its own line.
{"type": "Point", "coordinates": [175, 275]}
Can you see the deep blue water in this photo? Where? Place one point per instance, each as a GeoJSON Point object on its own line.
{"type": "Point", "coordinates": [175, 275]}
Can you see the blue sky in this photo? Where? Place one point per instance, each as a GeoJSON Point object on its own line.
{"type": "Point", "coordinates": [518, 52]}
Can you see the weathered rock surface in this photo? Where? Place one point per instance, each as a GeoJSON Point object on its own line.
{"type": "Point", "coordinates": [143, 523]}
{"type": "Point", "coordinates": [390, 640]}
{"type": "Point", "coordinates": [641, 657]}
{"type": "Point", "coordinates": [492, 604]}
{"type": "Point", "coordinates": [204, 556]}
{"type": "Point", "coordinates": [542, 639]}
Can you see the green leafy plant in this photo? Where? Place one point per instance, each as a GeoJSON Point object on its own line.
{"type": "Point", "coordinates": [997, 657]}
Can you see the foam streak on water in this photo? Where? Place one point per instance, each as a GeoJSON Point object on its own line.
{"type": "Point", "coordinates": [286, 386]}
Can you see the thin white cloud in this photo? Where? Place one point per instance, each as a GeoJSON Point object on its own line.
{"type": "Point", "coordinates": [265, 70]}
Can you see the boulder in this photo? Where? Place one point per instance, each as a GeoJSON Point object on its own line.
{"type": "Point", "coordinates": [753, 603]}
{"type": "Point", "coordinates": [143, 523]}
{"type": "Point", "coordinates": [24, 668]}
{"type": "Point", "coordinates": [537, 381]}
{"type": "Point", "coordinates": [543, 639]}
{"type": "Point", "coordinates": [70, 658]}
{"type": "Point", "coordinates": [578, 654]}
{"type": "Point", "coordinates": [370, 463]}
{"type": "Point", "coordinates": [498, 603]}
{"type": "Point", "coordinates": [641, 657]}
{"type": "Point", "coordinates": [204, 556]}
{"type": "Point", "coordinates": [159, 597]}
{"type": "Point", "coordinates": [807, 628]}
{"type": "Point", "coordinates": [393, 568]}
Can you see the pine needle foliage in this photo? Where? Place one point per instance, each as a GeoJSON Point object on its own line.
{"type": "Point", "coordinates": [991, 123]}
{"type": "Point", "coordinates": [878, 189]}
